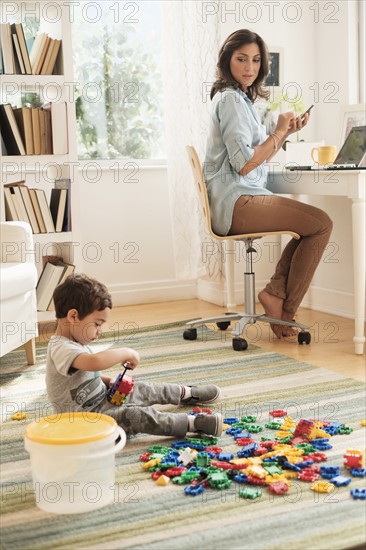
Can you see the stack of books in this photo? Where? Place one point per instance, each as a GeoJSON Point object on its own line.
{"type": "Point", "coordinates": [20, 56]}
{"type": "Point", "coordinates": [34, 130]}
{"type": "Point", "coordinates": [54, 273]}
{"type": "Point", "coordinates": [30, 205]}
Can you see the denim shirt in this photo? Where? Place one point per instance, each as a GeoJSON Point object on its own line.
{"type": "Point", "coordinates": [234, 130]}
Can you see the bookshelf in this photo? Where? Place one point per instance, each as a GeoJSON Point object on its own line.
{"type": "Point", "coordinates": [40, 170]}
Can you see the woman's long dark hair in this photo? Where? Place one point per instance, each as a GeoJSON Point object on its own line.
{"type": "Point", "coordinates": [224, 78]}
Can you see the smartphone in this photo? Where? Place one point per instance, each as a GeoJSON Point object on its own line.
{"type": "Point", "coordinates": [308, 111]}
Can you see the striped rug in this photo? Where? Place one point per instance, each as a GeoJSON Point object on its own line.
{"type": "Point", "coordinates": [146, 516]}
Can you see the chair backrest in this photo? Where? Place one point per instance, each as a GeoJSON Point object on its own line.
{"type": "Point", "coordinates": [202, 193]}
{"type": "Point", "coordinates": [201, 186]}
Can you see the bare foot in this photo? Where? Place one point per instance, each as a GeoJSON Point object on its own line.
{"type": "Point", "coordinates": [273, 307]}
{"type": "Point", "coordinates": [288, 331]}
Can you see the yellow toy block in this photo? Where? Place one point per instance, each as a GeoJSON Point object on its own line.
{"type": "Point", "coordinates": [257, 471]}
{"type": "Point", "coordinates": [363, 422]}
{"type": "Point", "coordinates": [239, 461]}
{"type": "Point", "coordinates": [322, 487]}
{"type": "Point", "coordinates": [19, 416]}
{"type": "Point", "coordinates": [151, 463]}
{"type": "Point", "coordinates": [316, 433]}
{"type": "Point", "coordinates": [163, 480]}
{"type": "Point", "coordinates": [254, 460]}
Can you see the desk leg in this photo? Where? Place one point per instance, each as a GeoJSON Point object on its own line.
{"type": "Point", "coordinates": [358, 237]}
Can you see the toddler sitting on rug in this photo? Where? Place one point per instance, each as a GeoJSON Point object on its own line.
{"type": "Point", "coordinates": [74, 382]}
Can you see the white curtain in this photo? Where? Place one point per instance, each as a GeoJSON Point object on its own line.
{"type": "Point", "coordinates": [190, 46]}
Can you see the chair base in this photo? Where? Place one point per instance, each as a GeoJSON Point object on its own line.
{"type": "Point", "coordinates": [239, 343]}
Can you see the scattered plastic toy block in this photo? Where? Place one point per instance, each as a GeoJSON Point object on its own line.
{"type": "Point", "coordinates": [163, 480]}
{"type": "Point", "coordinates": [241, 478]}
{"type": "Point", "coordinates": [249, 418]}
{"type": "Point", "coordinates": [219, 480]}
{"type": "Point", "coordinates": [194, 490]}
{"type": "Point", "coordinates": [358, 472]}
{"type": "Point", "coordinates": [19, 416]}
{"type": "Point", "coordinates": [250, 492]}
{"type": "Point", "coordinates": [278, 413]}
{"type": "Point", "coordinates": [358, 493]}
{"type": "Point", "coordinates": [328, 472]}
{"type": "Point", "coordinates": [308, 475]}
{"type": "Point", "coordinates": [231, 420]}
{"type": "Point", "coordinates": [187, 456]}
{"type": "Point", "coordinates": [273, 425]}
{"type": "Point", "coordinates": [225, 456]}
{"type": "Point", "coordinates": [354, 458]}
{"type": "Point", "coordinates": [345, 430]}
{"type": "Point", "coordinates": [278, 487]}
{"type": "Point", "coordinates": [341, 481]}
{"type": "Point", "coordinates": [214, 450]}
{"type": "Point", "coordinates": [242, 441]}
{"type": "Point", "coordinates": [363, 422]}
{"type": "Point", "coordinates": [322, 487]}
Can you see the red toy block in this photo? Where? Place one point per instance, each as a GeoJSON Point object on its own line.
{"type": "Point", "coordinates": [317, 457]}
{"type": "Point", "coordinates": [145, 457]}
{"type": "Point", "coordinates": [214, 450]}
{"type": "Point", "coordinates": [244, 441]}
{"type": "Point", "coordinates": [256, 480]}
{"type": "Point", "coordinates": [278, 413]}
{"type": "Point", "coordinates": [121, 388]}
{"type": "Point", "coordinates": [278, 487]}
{"type": "Point", "coordinates": [303, 428]}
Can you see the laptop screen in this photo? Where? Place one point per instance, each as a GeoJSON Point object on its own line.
{"type": "Point", "coordinates": [354, 148]}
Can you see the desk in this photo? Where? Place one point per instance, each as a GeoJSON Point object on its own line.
{"type": "Point", "coordinates": [343, 183]}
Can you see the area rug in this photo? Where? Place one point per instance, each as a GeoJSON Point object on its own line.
{"type": "Point", "coordinates": [146, 516]}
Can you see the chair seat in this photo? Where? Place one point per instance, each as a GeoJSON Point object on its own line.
{"type": "Point", "coordinates": [16, 278]}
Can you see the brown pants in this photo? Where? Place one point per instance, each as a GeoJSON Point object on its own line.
{"type": "Point", "coordinates": [300, 258]}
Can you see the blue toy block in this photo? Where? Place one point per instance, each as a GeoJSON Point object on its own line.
{"type": "Point", "coordinates": [358, 493]}
{"type": "Point", "coordinates": [341, 481]}
{"type": "Point", "coordinates": [241, 478]}
{"type": "Point", "coordinates": [305, 464]}
{"type": "Point", "coordinates": [230, 420]}
{"type": "Point", "coordinates": [193, 490]}
{"type": "Point", "coordinates": [226, 457]}
{"type": "Point", "coordinates": [247, 451]}
{"type": "Point", "coordinates": [328, 472]}
{"type": "Point", "coordinates": [358, 472]}
{"type": "Point", "coordinates": [290, 466]}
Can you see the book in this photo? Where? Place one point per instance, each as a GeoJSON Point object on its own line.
{"type": "Point", "coordinates": [65, 183]}
{"type": "Point", "coordinates": [36, 131]}
{"type": "Point", "coordinates": [47, 282]}
{"type": "Point", "coordinates": [42, 130]}
{"type": "Point", "coordinates": [36, 50]}
{"type": "Point", "coordinates": [58, 207]}
{"type": "Point", "coordinates": [45, 209]}
{"type": "Point", "coordinates": [37, 210]}
{"type": "Point", "coordinates": [48, 128]}
{"type": "Point", "coordinates": [24, 191]}
{"type": "Point", "coordinates": [7, 48]}
{"type": "Point", "coordinates": [51, 57]}
{"type": "Point", "coordinates": [18, 201]}
{"type": "Point", "coordinates": [18, 59]}
{"type": "Point", "coordinates": [69, 268]}
{"type": "Point", "coordinates": [10, 131]}
{"type": "Point", "coordinates": [17, 28]}
{"type": "Point", "coordinates": [10, 210]}
{"type": "Point", "coordinates": [59, 127]}
{"type": "Point", "coordinates": [23, 116]}
{"type": "Point", "coordinates": [41, 55]}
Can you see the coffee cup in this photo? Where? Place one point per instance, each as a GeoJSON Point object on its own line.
{"type": "Point", "coordinates": [325, 154]}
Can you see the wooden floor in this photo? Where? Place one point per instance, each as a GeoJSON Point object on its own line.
{"type": "Point", "coordinates": [331, 347]}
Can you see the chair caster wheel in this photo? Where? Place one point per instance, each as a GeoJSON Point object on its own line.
{"type": "Point", "coordinates": [304, 337]}
{"type": "Point", "coordinates": [190, 334]}
{"type": "Point", "coordinates": [223, 325]}
{"type": "Point", "coordinates": [240, 344]}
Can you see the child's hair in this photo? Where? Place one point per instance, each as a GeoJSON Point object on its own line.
{"type": "Point", "coordinates": [82, 293]}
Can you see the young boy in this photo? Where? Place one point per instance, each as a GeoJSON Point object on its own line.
{"type": "Point", "coordinates": [74, 383]}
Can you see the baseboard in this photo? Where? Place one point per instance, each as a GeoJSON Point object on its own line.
{"type": "Point", "coordinates": [148, 292]}
{"type": "Point", "coordinates": [317, 298]}
{"type": "Point", "coordinates": [328, 300]}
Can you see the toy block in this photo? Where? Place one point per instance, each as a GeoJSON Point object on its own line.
{"type": "Point", "coordinates": [163, 480]}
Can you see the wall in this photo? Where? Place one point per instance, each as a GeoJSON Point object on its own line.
{"type": "Point", "coordinates": [314, 39]}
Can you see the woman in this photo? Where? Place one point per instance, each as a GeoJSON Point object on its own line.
{"type": "Point", "coordinates": [236, 175]}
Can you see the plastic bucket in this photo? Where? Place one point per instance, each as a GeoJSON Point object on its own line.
{"type": "Point", "coordinates": [73, 461]}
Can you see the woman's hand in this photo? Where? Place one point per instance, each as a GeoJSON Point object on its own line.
{"type": "Point", "coordinates": [298, 123]}
{"type": "Point", "coordinates": [285, 123]}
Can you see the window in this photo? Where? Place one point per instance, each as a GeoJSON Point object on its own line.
{"type": "Point", "coordinates": [117, 68]}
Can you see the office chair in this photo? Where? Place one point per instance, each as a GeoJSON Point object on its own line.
{"type": "Point", "coordinates": [249, 316]}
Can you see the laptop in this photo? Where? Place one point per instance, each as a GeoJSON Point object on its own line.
{"type": "Point", "coordinates": [352, 155]}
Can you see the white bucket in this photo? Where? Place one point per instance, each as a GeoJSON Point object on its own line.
{"type": "Point", "coordinates": [73, 461]}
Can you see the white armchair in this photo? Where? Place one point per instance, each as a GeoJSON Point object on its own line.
{"type": "Point", "coordinates": [18, 281]}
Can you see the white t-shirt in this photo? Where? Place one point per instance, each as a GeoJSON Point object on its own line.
{"type": "Point", "coordinates": [70, 389]}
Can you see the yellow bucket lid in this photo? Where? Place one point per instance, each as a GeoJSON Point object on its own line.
{"type": "Point", "coordinates": [71, 428]}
